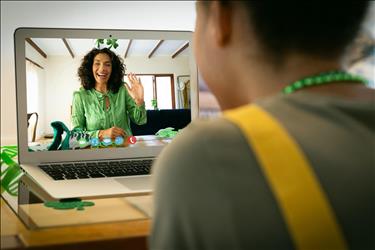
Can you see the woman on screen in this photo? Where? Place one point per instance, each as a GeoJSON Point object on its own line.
{"type": "Point", "coordinates": [104, 103]}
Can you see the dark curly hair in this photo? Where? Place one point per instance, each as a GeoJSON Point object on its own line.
{"type": "Point", "coordinates": [323, 28]}
{"type": "Point", "coordinates": [87, 77]}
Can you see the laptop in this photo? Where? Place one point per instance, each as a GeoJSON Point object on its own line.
{"type": "Point", "coordinates": [46, 65]}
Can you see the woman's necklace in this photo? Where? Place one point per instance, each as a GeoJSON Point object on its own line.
{"type": "Point", "coordinates": [323, 79]}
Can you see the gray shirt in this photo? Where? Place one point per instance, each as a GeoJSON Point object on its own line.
{"type": "Point", "coordinates": [211, 194]}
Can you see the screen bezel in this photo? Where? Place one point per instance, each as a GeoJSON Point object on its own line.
{"type": "Point", "coordinates": [24, 156]}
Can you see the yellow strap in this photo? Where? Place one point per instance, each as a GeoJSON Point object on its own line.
{"type": "Point", "coordinates": [306, 210]}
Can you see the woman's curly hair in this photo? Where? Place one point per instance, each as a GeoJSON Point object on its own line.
{"type": "Point", "coordinates": [86, 75]}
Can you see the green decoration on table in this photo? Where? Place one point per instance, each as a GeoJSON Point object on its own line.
{"type": "Point", "coordinates": [74, 139]}
{"type": "Point", "coordinates": [167, 133]}
{"type": "Point", "coordinates": [323, 79]}
{"type": "Point", "coordinates": [64, 205]}
{"type": "Point", "coordinates": [154, 103]}
{"type": "Point", "coordinates": [10, 170]}
{"type": "Point", "coordinates": [58, 130]}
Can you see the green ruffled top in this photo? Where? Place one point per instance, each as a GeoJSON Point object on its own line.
{"type": "Point", "coordinates": [89, 111]}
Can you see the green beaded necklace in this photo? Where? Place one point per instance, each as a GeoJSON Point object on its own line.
{"type": "Point", "coordinates": [322, 79]}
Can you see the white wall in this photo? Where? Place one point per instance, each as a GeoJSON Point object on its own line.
{"type": "Point", "coordinates": [61, 81]}
{"type": "Point", "coordinates": [167, 15]}
{"type": "Point", "coordinates": [33, 55]}
{"type": "Point", "coordinates": [158, 64]}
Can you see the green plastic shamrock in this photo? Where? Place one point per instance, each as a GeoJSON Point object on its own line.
{"type": "Point", "coordinates": [98, 42]}
{"type": "Point", "coordinates": [112, 42]}
{"type": "Point", "coordinates": [154, 103]}
{"type": "Point", "coordinates": [62, 205]}
{"type": "Point", "coordinates": [10, 170]}
{"type": "Point", "coordinates": [167, 133]}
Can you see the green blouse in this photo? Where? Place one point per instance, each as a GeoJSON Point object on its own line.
{"type": "Point", "coordinates": [89, 112]}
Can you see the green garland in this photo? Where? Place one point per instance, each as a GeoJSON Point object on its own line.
{"type": "Point", "coordinates": [323, 79]}
{"type": "Point", "coordinates": [10, 170]}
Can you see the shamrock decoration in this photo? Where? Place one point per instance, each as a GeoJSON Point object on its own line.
{"type": "Point", "coordinates": [10, 170]}
{"type": "Point", "coordinates": [98, 42]}
{"type": "Point", "coordinates": [167, 133]}
{"type": "Point", "coordinates": [112, 42]}
{"type": "Point", "coordinates": [154, 103]}
{"type": "Point", "coordinates": [69, 204]}
{"type": "Point", "coordinates": [79, 139]}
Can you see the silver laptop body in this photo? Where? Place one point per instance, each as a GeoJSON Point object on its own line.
{"type": "Point", "coordinates": [89, 187]}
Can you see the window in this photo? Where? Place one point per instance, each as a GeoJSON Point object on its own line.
{"type": "Point", "coordinates": [148, 86]}
{"type": "Point", "coordinates": [159, 87]}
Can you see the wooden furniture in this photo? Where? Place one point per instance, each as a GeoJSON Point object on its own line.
{"type": "Point", "coordinates": [113, 234]}
{"type": "Point", "coordinates": [34, 124]}
{"type": "Point", "coordinates": [112, 223]}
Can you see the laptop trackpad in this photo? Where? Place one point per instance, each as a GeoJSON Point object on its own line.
{"type": "Point", "coordinates": [136, 183]}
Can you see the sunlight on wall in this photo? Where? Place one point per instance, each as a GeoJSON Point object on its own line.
{"type": "Point", "coordinates": [32, 88]}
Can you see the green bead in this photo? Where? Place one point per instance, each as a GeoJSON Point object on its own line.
{"type": "Point", "coordinates": [323, 78]}
{"type": "Point", "coordinates": [298, 84]}
{"type": "Point", "coordinates": [319, 79]}
{"type": "Point", "coordinates": [309, 81]}
{"type": "Point", "coordinates": [288, 90]}
{"type": "Point", "coordinates": [328, 78]}
{"type": "Point", "coordinates": [354, 78]}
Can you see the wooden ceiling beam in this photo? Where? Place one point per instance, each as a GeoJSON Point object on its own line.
{"type": "Point", "coordinates": [179, 50]}
{"type": "Point", "coordinates": [36, 47]}
{"type": "Point", "coordinates": [68, 47]}
{"type": "Point", "coordinates": [28, 59]}
{"type": "Point", "coordinates": [155, 48]}
{"type": "Point", "coordinates": [127, 48]}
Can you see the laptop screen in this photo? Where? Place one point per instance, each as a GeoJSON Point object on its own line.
{"type": "Point", "coordinates": [106, 93]}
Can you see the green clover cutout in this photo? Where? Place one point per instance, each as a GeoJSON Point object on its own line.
{"type": "Point", "coordinates": [112, 43]}
{"type": "Point", "coordinates": [64, 205]}
{"type": "Point", "coordinates": [98, 42]}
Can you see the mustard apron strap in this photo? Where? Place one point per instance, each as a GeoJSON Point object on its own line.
{"type": "Point", "coordinates": [306, 210]}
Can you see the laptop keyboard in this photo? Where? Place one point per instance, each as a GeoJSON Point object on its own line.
{"type": "Point", "coordinates": [101, 169]}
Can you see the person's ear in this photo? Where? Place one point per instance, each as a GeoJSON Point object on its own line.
{"type": "Point", "coordinates": [221, 22]}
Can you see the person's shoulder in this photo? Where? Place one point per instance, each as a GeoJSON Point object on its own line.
{"type": "Point", "coordinates": [81, 93]}
{"type": "Point", "coordinates": [121, 90]}
{"type": "Point", "coordinates": [201, 143]}
{"type": "Point", "coordinates": [289, 109]}
{"type": "Point", "coordinates": [217, 131]}
{"type": "Point", "coordinates": [204, 134]}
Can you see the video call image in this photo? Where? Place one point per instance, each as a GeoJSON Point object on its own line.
{"type": "Point", "coordinates": [105, 93]}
